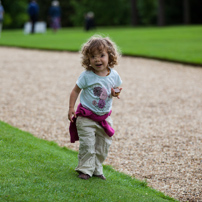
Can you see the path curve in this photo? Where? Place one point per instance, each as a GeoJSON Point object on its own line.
{"type": "Point", "coordinates": [157, 120]}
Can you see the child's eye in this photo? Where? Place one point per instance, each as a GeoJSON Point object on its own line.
{"type": "Point", "coordinates": [102, 55]}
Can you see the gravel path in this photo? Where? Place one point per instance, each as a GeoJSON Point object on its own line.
{"type": "Point", "coordinates": [157, 120]}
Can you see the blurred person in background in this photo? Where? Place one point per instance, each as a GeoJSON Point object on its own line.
{"type": "Point", "coordinates": [1, 17]}
{"type": "Point", "coordinates": [89, 21]}
{"type": "Point", "coordinates": [33, 11]}
{"type": "Point", "coordinates": [55, 15]}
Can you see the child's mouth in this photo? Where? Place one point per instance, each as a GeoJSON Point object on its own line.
{"type": "Point", "coordinates": [98, 65]}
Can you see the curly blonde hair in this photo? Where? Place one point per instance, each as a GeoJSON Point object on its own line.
{"type": "Point", "coordinates": [98, 43]}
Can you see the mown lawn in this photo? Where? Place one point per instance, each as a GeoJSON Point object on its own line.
{"type": "Point", "coordinates": [32, 169]}
{"type": "Point", "coordinates": [177, 43]}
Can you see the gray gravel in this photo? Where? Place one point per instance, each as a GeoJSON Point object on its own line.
{"type": "Point", "coordinates": [157, 120]}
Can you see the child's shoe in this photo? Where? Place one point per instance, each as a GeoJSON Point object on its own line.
{"type": "Point", "coordinates": [84, 176]}
{"type": "Point", "coordinates": [100, 176]}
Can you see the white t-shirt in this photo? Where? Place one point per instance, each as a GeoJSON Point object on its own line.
{"type": "Point", "coordinates": [96, 90]}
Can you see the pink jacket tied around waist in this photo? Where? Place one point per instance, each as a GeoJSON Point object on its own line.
{"type": "Point", "coordinates": [81, 111]}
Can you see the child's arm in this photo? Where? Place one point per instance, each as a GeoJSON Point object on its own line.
{"type": "Point", "coordinates": [115, 92]}
{"type": "Point", "coordinates": [72, 100]}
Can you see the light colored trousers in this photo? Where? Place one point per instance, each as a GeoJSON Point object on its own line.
{"type": "Point", "coordinates": [94, 145]}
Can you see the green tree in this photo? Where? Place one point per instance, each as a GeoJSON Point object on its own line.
{"type": "Point", "coordinates": [173, 12]}
{"type": "Point", "coordinates": [106, 12]}
{"type": "Point", "coordinates": [147, 11]}
{"type": "Point", "coordinates": [15, 13]}
{"type": "Point", "coordinates": [66, 11]}
{"type": "Point", "coordinates": [119, 12]}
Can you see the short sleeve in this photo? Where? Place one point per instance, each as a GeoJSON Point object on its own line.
{"type": "Point", "coordinates": [118, 81]}
{"type": "Point", "coordinates": [117, 78]}
{"type": "Point", "coordinates": [81, 82]}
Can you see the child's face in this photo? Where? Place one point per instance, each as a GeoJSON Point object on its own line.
{"type": "Point", "coordinates": [99, 61]}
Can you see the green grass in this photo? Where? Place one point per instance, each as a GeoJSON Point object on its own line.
{"type": "Point", "coordinates": [177, 43]}
{"type": "Point", "coordinates": [32, 169]}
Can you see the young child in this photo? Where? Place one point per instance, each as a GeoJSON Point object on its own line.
{"type": "Point", "coordinates": [91, 124]}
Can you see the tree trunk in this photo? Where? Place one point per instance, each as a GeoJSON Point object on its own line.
{"type": "Point", "coordinates": [186, 8]}
{"type": "Point", "coordinates": [134, 12]}
{"type": "Point", "coordinates": [161, 13]}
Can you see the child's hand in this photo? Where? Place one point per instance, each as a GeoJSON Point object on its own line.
{"type": "Point", "coordinates": [115, 92]}
{"type": "Point", "coordinates": [70, 113]}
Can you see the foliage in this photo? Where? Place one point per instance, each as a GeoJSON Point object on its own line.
{"type": "Point", "coordinates": [147, 11]}
{"type": "Point", "coordinates": [36, 170]}
{"type": "Point", "coordinates": [66, 11]}
{"type": "Point", "coordinates": [173, 12]}
{"type": "Point", "coordinates": [195, 11]}
{"type": "Point", "coordinates": [15, 13]}
{"type": "Point", "coordinates": [106, 12]}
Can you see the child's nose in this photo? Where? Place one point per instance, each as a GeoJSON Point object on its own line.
{"type": "Point", "coordinates": [97, 58]}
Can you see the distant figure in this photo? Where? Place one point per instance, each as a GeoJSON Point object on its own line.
{"type": "Point", "coordinates": [89, 21]}
{"type": "Point", "coordinates": [1, 17]}
{"type": "Point", "coordinates": [33, 11]}
{"type": "Point", "coordinates": [55, 14]}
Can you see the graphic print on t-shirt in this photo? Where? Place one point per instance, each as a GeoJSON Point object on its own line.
{"type": "Point", "coordinates": [101, 93]}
